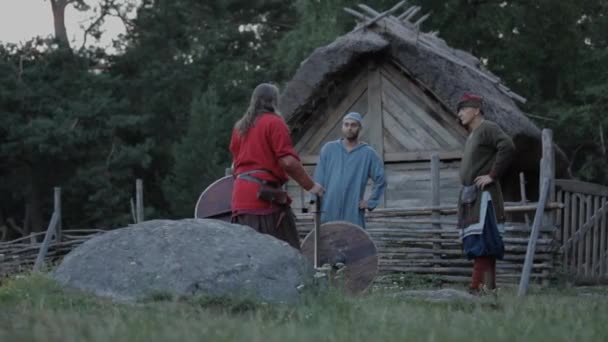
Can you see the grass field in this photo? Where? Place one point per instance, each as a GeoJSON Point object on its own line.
{"type": "Point", "coordinates": [33, 308]}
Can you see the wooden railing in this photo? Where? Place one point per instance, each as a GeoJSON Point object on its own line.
{"type": "Point", "coordinates": [583, 229]}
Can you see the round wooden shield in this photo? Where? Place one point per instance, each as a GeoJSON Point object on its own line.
{"type": "Point", "coordinates": [345, 243]}
{"type": "Point", "coordinates": [215, 201]}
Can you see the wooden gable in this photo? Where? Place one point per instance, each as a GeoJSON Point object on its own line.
{"type": "Point", "coordinates": [404, 124]}
{"type": "Point", "coordinates": [401, 121]}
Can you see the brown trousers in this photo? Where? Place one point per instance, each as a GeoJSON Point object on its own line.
{"type": "Point", "coordinates": [281, 225]}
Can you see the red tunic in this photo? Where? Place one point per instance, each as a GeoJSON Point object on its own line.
{"type": "Point", "coordinates": [261, 148]}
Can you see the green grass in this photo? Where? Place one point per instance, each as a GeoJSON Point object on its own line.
{"type": "Point", "coordinates": [33, 308]}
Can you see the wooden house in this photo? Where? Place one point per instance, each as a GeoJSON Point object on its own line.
{"type": "Point", "coordinates": [406, 84]}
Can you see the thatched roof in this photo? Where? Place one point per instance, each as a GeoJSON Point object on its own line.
{"type": "Point", "coordinates": [445, 72]}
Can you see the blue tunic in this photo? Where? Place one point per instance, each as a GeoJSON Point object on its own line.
{"type": "Point", "coordinates": [344, 176]}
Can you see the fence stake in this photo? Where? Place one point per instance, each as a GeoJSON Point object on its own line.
{"type": "Point", "coordinates": [50, 231]}
{"type": "Point", "coordinates": [57, 209]}
{"type": "Point", "coordinates": [538, 220]}
{"type": "Point", "coordinates": [436, 202]}
{"type": "Point", "coordinates": [139, 199]}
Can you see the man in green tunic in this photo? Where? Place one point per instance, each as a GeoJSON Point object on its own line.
{"type": "Point", "coordinates": [487, 154]}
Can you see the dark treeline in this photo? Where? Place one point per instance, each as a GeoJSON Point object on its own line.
{"type": "Point", "coordinates": [162, 108]}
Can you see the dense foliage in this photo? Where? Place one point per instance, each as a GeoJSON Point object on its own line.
{"type": "Point", "coordinates": [162, 108]}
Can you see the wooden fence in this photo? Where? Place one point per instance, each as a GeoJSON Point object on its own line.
{"type": "Point", "coordinates": [583, 229]}
{"type": "Point", "coordinates": [412, 241]}
{"type": "Point", "coordinates": [27, 253]}
{"type": "Point", "coordinates": [20, 255]}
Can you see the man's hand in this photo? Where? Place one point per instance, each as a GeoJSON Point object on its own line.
{"type": "Point", "coordinates": [482, 181]}
{"type": "Point", "coordinates": [363, 204]}
{"type": "Point", "coordinates": [317, 189]}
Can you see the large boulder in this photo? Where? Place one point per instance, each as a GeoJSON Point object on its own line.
{"type": "Point", "coordinates": [186, 257]}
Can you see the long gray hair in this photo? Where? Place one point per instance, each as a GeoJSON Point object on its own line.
{"type": "Point", "coordinates": [265, 99]}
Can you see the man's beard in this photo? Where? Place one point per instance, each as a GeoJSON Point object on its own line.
{"type": "Point", "coordinates": [352, 136]}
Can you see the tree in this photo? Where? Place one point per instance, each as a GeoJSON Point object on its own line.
{"type": "Point", "coordinates": [101, 8]}
{"type": "Point", "coordinates": [58, 7]}
{"type": "Point", "coordinates": [198, 160]}
{"type": "Point", "coordinates": [176, 51]}
{"type": "Point", "coordinates": [66, 126]}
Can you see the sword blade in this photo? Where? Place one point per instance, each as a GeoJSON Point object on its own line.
{"type": "Point", "coordinates": [317, 231]}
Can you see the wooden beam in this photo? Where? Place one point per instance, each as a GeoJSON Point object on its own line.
{"type": "Point", "coordinates": [412, 13]}
{"type": "Point", "coordinates": [421, 156]}
{"type": "Point", "coordinates": [356, 14]}
{"type": "Point", "coordinates": [422, 19]}
{"type": "Point", "coordinates": [369, 10]}
{"type": "Point", "coordinates": [582, 187]}
{"type": "Point", "coordinates": [378, 16]}
{"type": "Point", "coordinates": [406, 13]}
{"type": "Point", "coordinates": [374, 123]}
{"type": "Point", "coordinates": [399, 157]}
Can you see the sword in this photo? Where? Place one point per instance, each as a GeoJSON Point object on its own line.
{"type": "Point", "coordinates": [317, 231]}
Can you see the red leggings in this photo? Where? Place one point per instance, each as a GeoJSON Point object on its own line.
{"type": "Point", "coordinates": [484, 272]}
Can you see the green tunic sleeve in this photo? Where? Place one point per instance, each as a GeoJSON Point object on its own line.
{"type": "Point", "coordinates": [504, 147]}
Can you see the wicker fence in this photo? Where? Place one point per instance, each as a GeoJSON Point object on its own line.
{"type": "Point", "coordinates": [412, 241]}
{"type": "Point", "coordinates": [19, 255]}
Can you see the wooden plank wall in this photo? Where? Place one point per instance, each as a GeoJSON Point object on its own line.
{"type": "Point", "coordinates": [408, 185]}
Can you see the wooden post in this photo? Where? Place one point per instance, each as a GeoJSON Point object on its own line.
{"type": "Point", "coordinates": [133, 214]}
{"type": "Point", "coordinates": [57, 209]}
{"type": "Point", "coordinates": [50, 231]}
{"type": "Point", "coordinates": [436, 202]}
{"type": "Point", "coordinates": [587, 235]}
{"type": "Point", "coordinates": [522, 191]}
{"type": "Point", "coordinates": [139, 200]}
{"type": "Point", "coordinates": [603, 231]}
{"type": "Point", "coordinates": [573, 224]}
{"type": "Point", "coordinates": [580, 246]}
{"type": "Point", "coordinates": [547, 170]}
{"type": "Point", "coordinates": [317, 229]}
{"type": "Point", "coordinates": [596, 238]}
{"type": "Point", "coordinates": [538, 218]}
{"type": "Point", "coordinates": [435, 187]}
{"type": "Point", "coordinates": [566, 230]}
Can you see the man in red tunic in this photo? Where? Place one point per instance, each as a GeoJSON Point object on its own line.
{"type": "Point", "coordinates": [263, 159]}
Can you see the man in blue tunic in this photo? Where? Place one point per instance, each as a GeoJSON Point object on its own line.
{"type": "Point", "coordinates": [344, 168]}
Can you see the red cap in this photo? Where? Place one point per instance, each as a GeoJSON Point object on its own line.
{"type": "Point", "coordinates": [470, 100]}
